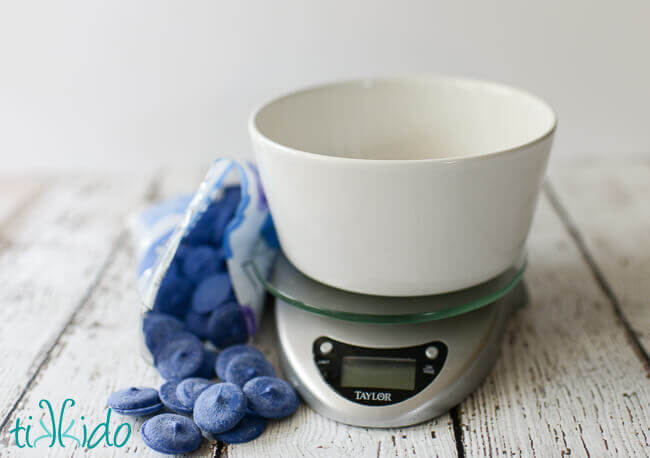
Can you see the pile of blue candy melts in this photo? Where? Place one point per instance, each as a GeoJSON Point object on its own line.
{"type": "Point", "coordinates": [195, 304]}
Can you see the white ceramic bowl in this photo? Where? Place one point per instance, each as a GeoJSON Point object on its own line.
{"type": "Point", "coordinates": [403, 186]}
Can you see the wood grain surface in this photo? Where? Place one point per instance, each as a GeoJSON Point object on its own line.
{"type": "Point", "coordinates": [53, 253]}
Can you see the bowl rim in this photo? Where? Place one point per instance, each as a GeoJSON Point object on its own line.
{"type": "Point", "coordinates": [255, 132]}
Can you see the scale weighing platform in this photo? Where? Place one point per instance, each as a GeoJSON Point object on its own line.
{"type": "Point", "coordinates": [377, 361]}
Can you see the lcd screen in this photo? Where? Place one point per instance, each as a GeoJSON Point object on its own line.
{"type": "Point", "coordinates": [372, 372]}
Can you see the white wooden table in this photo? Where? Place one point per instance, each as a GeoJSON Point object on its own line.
{"type": "Point", "coordinates": [573, 377]}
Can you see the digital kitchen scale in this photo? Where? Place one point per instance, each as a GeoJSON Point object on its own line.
{"type": "Point", "coordinates": [377, 361]}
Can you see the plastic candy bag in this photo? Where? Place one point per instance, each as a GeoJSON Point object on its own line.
{"type": "Point", "coordinates": [191, 249]}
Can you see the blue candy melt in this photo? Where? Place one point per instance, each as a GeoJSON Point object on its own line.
{"type": "Point", "coordinates": [249, 428]}
{"type": "Point", "coordinates": [182, 249]}
{"type": "Point", "coordinates": [227, 326]}
{"type": "Point", "coordinates": [208, 365]}
{"type": "Point", "coordinates": [203, 230]}
{"type": "Point", "coordinates": [211, 292]}
{"type": "Point", "coordinates": [174, 270]}
{"type": "Point", "coordinates": [171, 401]}
{"type": "Point", "coordinates": [200, 262]}
{"type": "Point", "coordinates": [243, 368]}
{"type": "Point", "coordinates": [171, 434]}
{"type": "Point", "coordinates": [180, 357]}
{"type": "Point", "coordinates": [271, 397]}
{"type": "Point", "coordinates": [158, 327]}
{"type": "Point", "coordinates": [198, 324]}
{"type": "Point", "coordinates": [229, 353]}
{"type": "Point", "coordinates": [219, 408]}
{"type": "Point", "coordinates": [228, 206]}
{"type": "Point", "coordinates": [133, 398]}
{"type": "Point", "coordinates": [189, 389]}
{"type": "Point", "coordinates": [173, 296]}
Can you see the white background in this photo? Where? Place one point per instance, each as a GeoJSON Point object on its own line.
{"type": "Point", "coordinates": [126, 83]}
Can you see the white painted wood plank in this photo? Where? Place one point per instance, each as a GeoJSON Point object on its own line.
{"type": "Point", "coordinates": [609, 204]}
{"type": "Point", "coordinates": [98, 352]}
{"type": "Point", "coordinates": [568, 381]}
{"type": "Point", "coordinates": [51, 254]}
{"type": "Point", "coordinates": [16, 195]}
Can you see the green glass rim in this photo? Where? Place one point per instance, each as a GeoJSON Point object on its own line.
{"type": "Point", "coordinates": [419, 317]}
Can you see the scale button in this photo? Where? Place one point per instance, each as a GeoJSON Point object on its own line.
{"type": "Point", "coordinates": [326, 348]}
{"type": "Point", "coordinates": [428, 369]}
{"type": "Point", "coordinates": [431, 352]}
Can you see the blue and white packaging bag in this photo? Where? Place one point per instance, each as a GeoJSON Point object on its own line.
{"type": "Point", "coordinates": [248, 237]}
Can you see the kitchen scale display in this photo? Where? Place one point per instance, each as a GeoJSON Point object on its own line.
{"type": "Point", "coordinates": [372, 376]}
{"type": "Point", "coordinates": [378, 361]}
